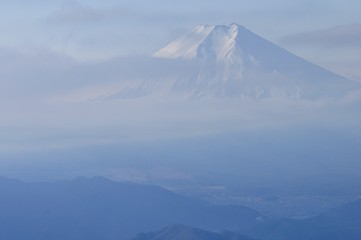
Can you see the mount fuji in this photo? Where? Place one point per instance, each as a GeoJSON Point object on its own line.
{"type": "Point", "coordinates": [243, 64]}
{"type": "Point", "coordinates": [229, 61]}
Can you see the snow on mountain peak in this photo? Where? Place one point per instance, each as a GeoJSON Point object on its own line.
{"type": "Point", "coordinates": [186, 46]}
{"type": "Point", "coordinates": [212, 43]}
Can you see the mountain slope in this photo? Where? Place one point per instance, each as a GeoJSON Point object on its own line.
{"type": "Point", "coordinates": [96, 208]}
{"type": "Point", "coordinates": [177, 232]}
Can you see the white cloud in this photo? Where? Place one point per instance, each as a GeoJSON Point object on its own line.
{"type": "Point", "coordinates": [346, 36]}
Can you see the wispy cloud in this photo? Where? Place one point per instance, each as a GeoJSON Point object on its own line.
{"type": "Point", "coordinates": [75, 12]}
{"type": "Point", "coordinates": [72, 11]}
{"type": "Point", "coordinates": [339, 36]}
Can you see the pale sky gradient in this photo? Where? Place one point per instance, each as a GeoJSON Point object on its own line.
{"type": "Point", "coordinates": [94, 29]}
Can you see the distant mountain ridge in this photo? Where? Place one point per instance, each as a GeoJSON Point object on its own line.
{"type": "Point", "coordinates": [97, 208]}
{"type": "Point", "coordinates": [181, 232]}
{"type": "Point", "coordinates": [340, 223]}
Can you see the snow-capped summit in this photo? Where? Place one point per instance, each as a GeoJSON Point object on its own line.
{"type": "Point", "coordinates": [211, 43]}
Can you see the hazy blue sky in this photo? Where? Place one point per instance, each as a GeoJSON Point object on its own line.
{"type": "Point", "coordinates": [326, 32]}
{"type": "Point", "coordinates": [43, 45]}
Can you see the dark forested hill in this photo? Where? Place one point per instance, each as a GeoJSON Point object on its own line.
{"type": "Point", "coordinates": [181, 232]}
